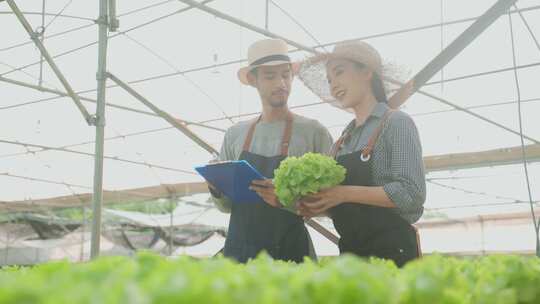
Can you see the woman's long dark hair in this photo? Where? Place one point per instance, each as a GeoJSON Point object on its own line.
{"type": "Point", "coordinates": [377, 85]}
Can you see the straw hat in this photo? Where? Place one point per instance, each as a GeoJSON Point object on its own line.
{"type": "Point", "coordinates": [266, 52]}
{"type": "Point", "coordinates": [312, 71]}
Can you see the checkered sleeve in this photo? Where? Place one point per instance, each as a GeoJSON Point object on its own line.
{"type": "Point", "coordinates": [404, 182]}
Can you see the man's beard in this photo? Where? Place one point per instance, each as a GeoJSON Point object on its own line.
{"type": "Point", "coordinates": [277, 102]}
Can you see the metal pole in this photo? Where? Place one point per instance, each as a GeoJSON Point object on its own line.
{"type": "Point", "coordinates": [48, 58]}
{"type": "Point", "coordinates": [42, 38]}
{"type": "Point", "coordinates": [491, 72]}
{"type": "Point", "coordinates": [113, 21]}
{"type": "Point", "coordinates": [451, 51]}
{"type": "Point", "coordinates": [266, 15]}
{"type": "Point", "coordinates": [97, 198]}
{"type": "Point", "coordinates": [492, 122]}
{"type": "Point", "coordinates": [113, 158]}
{"type": "Point", "coordinates": [247, 25]}
{"type": "Point", "coordinates": [207, 67]}
{"type": "Point", "coordinates": [112, 105]}
{"type": "Point", "coordinates": [182, 128]}
{"type": "Point", "coordinates": [528, 28]}
{"type": "Point", "coordinates": [407, 90]}
{"type": "Point", "coordinates": [386, 34]}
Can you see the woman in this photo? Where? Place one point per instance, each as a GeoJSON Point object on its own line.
{"type": "Point", "coordinates": [384, 189]}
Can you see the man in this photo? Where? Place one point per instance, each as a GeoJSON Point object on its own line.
{"type": "Point", "coordinates": [264, 142]}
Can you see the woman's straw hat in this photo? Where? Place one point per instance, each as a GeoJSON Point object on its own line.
{"type": "Point", "coordinates": [312, 71]}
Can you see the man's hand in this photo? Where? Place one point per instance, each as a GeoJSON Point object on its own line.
{"type": "Point", "coordinates": [265, 189]}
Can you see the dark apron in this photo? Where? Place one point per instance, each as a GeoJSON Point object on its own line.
{"type": "Point", "coordinates": [370, 230]}
{"type": "Point", "coordinates": [254, 227]}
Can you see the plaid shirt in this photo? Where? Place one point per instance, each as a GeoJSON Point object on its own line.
{"type": "Point", "coordinates": [397, 163]}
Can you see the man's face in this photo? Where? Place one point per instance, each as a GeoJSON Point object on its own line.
{"type": "Point", "coordinates": [273, 84]}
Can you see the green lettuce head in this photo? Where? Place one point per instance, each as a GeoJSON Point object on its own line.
{"type": "Point", "coordinates": [308, 174]}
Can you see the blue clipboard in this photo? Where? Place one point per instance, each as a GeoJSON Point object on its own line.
{"type": "Point", "coordinates": [233, 178]}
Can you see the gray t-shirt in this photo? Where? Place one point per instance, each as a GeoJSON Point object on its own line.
{"type": "Point", "coordinates": [308, 135]}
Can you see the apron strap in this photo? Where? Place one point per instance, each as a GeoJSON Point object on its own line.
{"type": "Point", "coordinates": [366, 152]}
{"type": "Point", "coordinates": [285, 140]}
{"type": "Point", "coordinates": [249, 138]}
{"type": "Point", "coordinates": [337, 145]}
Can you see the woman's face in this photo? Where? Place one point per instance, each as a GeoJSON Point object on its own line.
{"type": "Point", "coordinates": [349, 82]}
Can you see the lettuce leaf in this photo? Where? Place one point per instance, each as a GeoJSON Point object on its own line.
{"type": "Point", "coordinates": [310, 173]}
